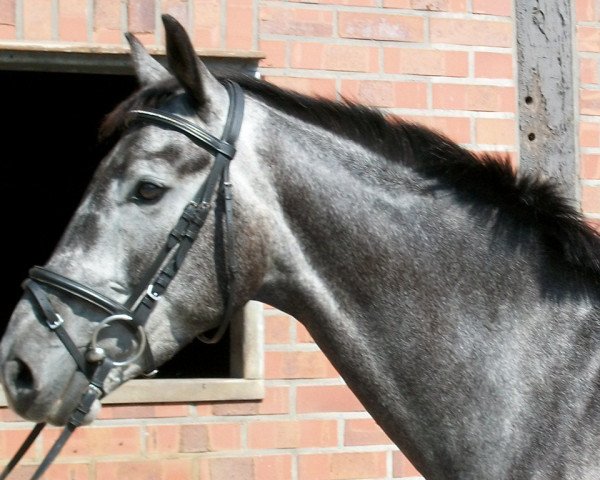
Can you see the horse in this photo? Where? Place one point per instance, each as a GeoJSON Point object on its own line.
{"type": "Point", "coordinates": [457, 297]}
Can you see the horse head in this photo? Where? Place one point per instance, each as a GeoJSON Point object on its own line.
{"type": "Point", "coordinates": [161, 196]}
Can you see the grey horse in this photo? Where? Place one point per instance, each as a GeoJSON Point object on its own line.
{"type": "Point", "coordinates": [457, 298]}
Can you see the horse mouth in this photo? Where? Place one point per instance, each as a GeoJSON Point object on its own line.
{"type": "Point", "coordinates": [63, 408]}
{"type": "Point", "coordinates": [53, 407]}
{"type": "Point", "coordinates": [63, 417]}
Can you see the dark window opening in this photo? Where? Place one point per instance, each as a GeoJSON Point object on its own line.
{"type": "Point", "coordinates": [49, 153]}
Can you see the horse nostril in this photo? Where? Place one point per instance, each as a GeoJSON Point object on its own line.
{"type": "Point", "coordinates": [18, 377]}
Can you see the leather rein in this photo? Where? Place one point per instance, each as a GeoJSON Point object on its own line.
{"type": "Point", "coordinates": [96, 363]}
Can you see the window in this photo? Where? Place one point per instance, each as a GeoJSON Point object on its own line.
{"type": "Point", "coordinates": [56, 119]}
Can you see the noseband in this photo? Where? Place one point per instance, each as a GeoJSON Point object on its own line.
{"type": "Point", "coordinates": [96, 363]}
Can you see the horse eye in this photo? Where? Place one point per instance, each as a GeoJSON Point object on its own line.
{"type": "Point", "coordinates": [148, 191]}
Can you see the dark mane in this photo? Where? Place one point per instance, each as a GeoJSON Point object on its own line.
{"type": "Point", "coordinates": [489, 180]}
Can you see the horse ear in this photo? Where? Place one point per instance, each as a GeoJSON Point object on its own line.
{"type": "Point", "coordinates": [147, 69]}
{"type": "Point", "coordinates": [192, 74]}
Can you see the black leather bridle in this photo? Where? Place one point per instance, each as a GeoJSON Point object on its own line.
{"type": "Point", "coordinates": [96, 363]}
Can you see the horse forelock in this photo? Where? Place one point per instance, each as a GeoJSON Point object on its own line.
{"type": "Point", "coordinates": [117, 122]}
{"type": "Point", "coordinates": [152, 96]}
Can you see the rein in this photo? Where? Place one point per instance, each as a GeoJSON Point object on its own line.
{"type": "Point", "coordinates": [96, 363]}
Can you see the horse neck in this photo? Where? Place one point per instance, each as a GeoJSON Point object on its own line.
{"type": "Point", "coordinates": [439, 325]}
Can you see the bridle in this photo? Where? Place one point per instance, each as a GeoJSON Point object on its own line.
{"type": "Point", "coordinates": [96, 363]}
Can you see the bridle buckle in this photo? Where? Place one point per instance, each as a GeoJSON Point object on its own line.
{"type": "Point", "coordinates": [151, 294]}
{"type": "Point", "coordinates": [56, 323]}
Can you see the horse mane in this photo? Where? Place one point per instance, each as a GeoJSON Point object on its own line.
{"type": "Point", "coordinates": [487, 179]}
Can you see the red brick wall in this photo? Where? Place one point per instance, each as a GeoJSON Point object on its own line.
{"type": "Point", "coordinates": [588, 41]}
{"type": "Point", "coordinates": [446, 63]}
{"type": "Point", "coordinates": [213, 24]}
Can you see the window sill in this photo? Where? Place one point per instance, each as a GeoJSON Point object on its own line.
{"type": "Point", "coordinates": [187, 390]}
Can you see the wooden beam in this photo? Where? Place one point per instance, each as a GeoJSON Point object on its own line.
{"type": "Point", "coordinates": [114, 59]}
{"type": "Point", "coordinates": [546, 104]}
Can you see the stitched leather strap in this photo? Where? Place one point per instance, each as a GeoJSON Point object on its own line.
{"type": "Point", "coordinates": [185, 232]}
{"type": "Point", "coordinates": [196, 134]}
{"type": "Point", "coordinates": [93, 392]}
{"type": "Point", "coordinates": [232, 131]}
{"type": "Point", "coordinates": [56, 280]}
{"type": "Point", "coordinates": [22, 450]}
{"type": "Point", "coordinates": [55, 323]}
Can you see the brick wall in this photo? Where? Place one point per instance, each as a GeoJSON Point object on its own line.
{"type": "Point", "coordinates": [446, 63]}
{"type": "Point", "coordinates": [588, 42]}
{"type": "Point", "coordinates": [213, 24]}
